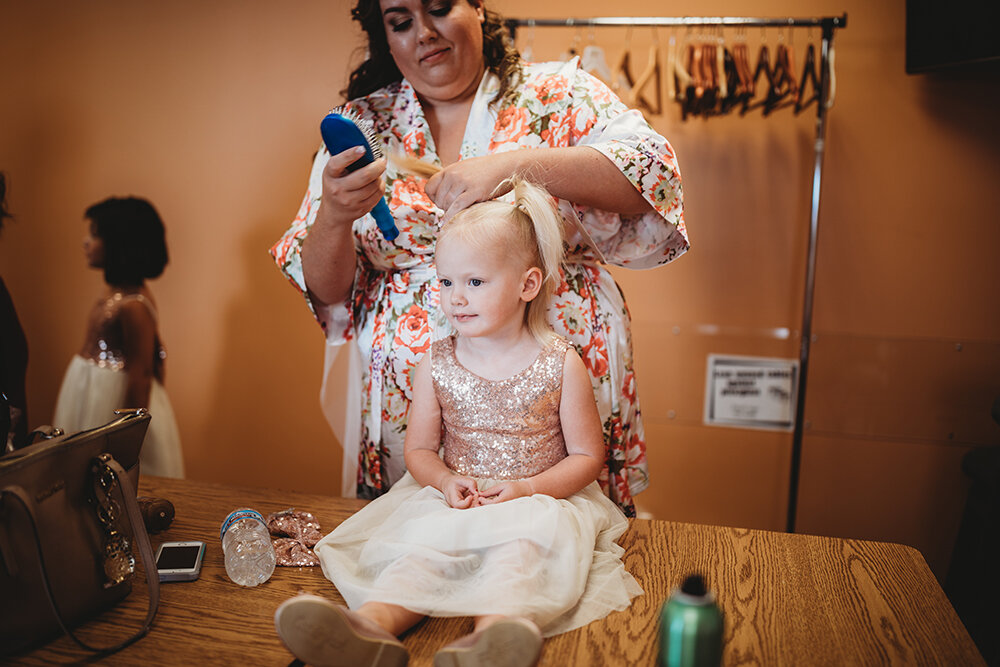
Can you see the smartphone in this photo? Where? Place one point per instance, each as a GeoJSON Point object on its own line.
{"type": "Point", "coordinates": [180, 561]}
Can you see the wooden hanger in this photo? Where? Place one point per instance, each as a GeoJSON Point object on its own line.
{"type": "Point", "coordinates": [681, 76]}
{"type": "Point", "coordinates": [808, 76]}
{"type": "Point", "coordinates": [696, 84]}
{"type": "Point", "coordinates": [709, 78]}
{"type": "Point", "coordinates": [623, 84]}
{"type": "Point", "coordinates": [671, 66]}
{"type": "Point", "coordinates": [720, 69]}
{"type": "Point", "coordinates": [682, 79]}
{"type": "Point", "coordinates": [734, 86]}
{"type": "Point", "coordinates": [741, 56]}
{"type": "Point", "coordinates": [763, 67]}
{"type": "Point", "coordinates": [784, 87]}
{"type": "Point", "coordinates": [652, 75]}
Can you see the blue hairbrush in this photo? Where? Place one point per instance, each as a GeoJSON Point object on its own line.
{"type": "Point", "coordinates": [343, 129]}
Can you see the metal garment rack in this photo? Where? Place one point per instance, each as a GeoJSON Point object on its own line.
{"type": "Point", "coordinates": [828, 24]}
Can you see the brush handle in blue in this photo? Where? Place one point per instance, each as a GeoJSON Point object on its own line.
{"type": "Point", "coordinates": [339, 134]}
{"type": "Point", "coordinates": [383, 218]}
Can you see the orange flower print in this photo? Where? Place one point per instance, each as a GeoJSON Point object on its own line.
{"type": "Point", "coordinates": [412, 332]}
{"type": "Point", "coordinates": [665, 191]}
{"type": "Point", "coordinates": [571, 317]}
{"type": "Point", "coordinates": [580, 124]}
{"type": "Point", "coordinates": [595, 357]}
{"type": "Point", "coordinates": [628, 387]}
{"type": "Point", "coordinates": [408, 193]}
{"type": "Point", "coordinates": [622, 494]}
{"type": "Point", "coordinates": [415, 143]}
{"type": "Point", "coordinates": [551, 89]}
{"type": "Point", "coordinates": [283, 247]}
{"type": "Point", "coordinates": [635, 453]}
{"type": "Point", "coordinates": [512, 124]}
{"type": "Point", "coordinates": [602, 96]}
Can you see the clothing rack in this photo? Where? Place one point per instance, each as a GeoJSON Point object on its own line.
{"type": "Point", "coordinates": [828, 24]}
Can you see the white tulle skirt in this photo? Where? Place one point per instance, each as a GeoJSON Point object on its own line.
{"type": "Point", "coordinates": [556, 562]}
{"type": "Point", "coordinates": [88, 398]}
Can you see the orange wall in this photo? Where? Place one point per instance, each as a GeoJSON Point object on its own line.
{"type": "Point", "coordinates": [210, 110]}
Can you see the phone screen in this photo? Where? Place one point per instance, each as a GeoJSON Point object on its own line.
{"type": "Point", "coordinates": [178, 557]}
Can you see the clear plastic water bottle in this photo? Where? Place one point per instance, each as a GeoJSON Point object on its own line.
{"type": "Point", "coordinates": [247, 548]}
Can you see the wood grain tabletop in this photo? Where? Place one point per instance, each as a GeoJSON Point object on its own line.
{"type": "Point", "coordinates": [787, 599]}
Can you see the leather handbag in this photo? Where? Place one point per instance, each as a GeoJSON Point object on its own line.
{"type": "Point", "coordinates": [69, 531]}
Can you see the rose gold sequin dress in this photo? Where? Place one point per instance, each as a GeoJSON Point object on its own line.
{"type": "Point", "coordinates": [555, 561]}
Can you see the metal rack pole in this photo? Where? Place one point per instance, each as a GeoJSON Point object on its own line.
{"type": "Point", "coordinates": [807, 303]}
{"type": "Point", "coordinates": [827, 22]}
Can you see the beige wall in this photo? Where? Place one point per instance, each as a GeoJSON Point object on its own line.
{"type": "Point", "coordinates": [211, 111]}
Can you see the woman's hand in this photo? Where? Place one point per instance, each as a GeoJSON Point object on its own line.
{"type": "Point", "coordinates": [328, 258]}
{"type": "Point", "coordinates": [349, 195]}
{"type": "Point", "coordinates": [460, 492]}
{"type": "Point", "coordinates": [578, 174]}
{"type": "Point", "coordinates": [506, 491]}
{"type": "Point", "coordinates": [463, 183]}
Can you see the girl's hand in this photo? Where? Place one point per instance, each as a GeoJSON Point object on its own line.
{"type": "Point", "coordinates": [505, 491]}
{"type": "Point", "coordinates": [463, 183]}
{"type": "Point", "coordinates": [349, 195]}
{"type": "Point", "coordinates": [460, 492]}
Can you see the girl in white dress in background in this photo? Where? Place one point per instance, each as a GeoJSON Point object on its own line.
{"type": "Point", "coordinates": [509, 526]}
{"type": "Point", "coordinates": [121, 363]}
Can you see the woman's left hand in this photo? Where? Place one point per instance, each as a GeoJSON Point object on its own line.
{"type": "Point", "coordinates": [463, 183]}
{"type": "Point", "coordinates": [504, 491]}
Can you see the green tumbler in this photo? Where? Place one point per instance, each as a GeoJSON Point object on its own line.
{"type": "Point", "coordinates": [691, 627]}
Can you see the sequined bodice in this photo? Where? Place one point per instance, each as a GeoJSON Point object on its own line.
{"type": "Point", "coordinates": [105, 343]}
{"type": "Point", "coordinates": [500, 429]}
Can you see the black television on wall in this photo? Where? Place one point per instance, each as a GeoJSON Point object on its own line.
{"type": "Point", "coordinates": [954, 35]}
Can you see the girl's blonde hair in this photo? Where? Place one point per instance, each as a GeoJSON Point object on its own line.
{"type": "Point", "coordinates": [529, 231]}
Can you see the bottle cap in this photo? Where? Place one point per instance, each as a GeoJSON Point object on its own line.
{"type": "Point", "coordinates": [694, 591]}
{"type": "Point", "coordinates": [694, 584]}
{"type": "Point", "coordinates": [236, 515]}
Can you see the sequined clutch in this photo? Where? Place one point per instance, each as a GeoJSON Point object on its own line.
{"type": "Point", "coordinates": [70, 530]}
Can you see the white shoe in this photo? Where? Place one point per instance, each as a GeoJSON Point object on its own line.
{"type": "Point", "coordinates": [323, 634]}
{"type": "Point", "coordinates": [509, 642]}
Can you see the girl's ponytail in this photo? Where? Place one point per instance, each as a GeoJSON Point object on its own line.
{"type": "Point", "coordinates": [538, 207]}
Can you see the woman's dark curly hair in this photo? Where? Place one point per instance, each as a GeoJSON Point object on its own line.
{"type": "Point", "coordinates": [499, 53]}
{"type": "Point", "coordinates": [135, 246]}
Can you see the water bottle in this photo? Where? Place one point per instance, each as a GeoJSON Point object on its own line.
{"type": "Point", "coordinates": [691, 627]}
{"type": "Point", "coordinates": [247, 548]}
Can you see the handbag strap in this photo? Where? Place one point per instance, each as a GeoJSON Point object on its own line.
{"type": "Point", "coordinates": [139, 535]}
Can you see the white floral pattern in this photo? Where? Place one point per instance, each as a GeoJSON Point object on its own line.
{"type": "Point", "coordinates": [395, 288]}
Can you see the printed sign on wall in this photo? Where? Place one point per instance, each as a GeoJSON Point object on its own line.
{"type": "Point", "coordinates": [751, 392]}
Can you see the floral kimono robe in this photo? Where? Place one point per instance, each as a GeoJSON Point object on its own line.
{"type": "Point", "coordinates": [393, 314]}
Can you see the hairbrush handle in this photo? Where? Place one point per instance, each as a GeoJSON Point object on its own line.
{"type": "Point", "coordinates": [341, 133]}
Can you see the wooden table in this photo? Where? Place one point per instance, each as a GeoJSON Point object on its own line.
{"type": "Point", "coordinates": [787, 599]}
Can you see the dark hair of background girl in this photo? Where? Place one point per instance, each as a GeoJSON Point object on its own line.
{"type": "Point", "coordinates": [135, 246]}
{"type": "Point", "coordinates": [380, 69]}
{"type": "Point", "coordinates": [4, 213]}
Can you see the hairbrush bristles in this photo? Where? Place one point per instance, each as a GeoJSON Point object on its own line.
{"type": "Point", "coordinates": [367, 128]}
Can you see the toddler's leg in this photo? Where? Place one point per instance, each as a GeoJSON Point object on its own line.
{"type": "Point", "coordinates": [391, 617]}
{"type": "Point", "coordinates": [323, 634]}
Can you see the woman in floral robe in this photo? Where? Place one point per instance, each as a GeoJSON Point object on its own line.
{"type": "Point", "coordinates": [391, 311]}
